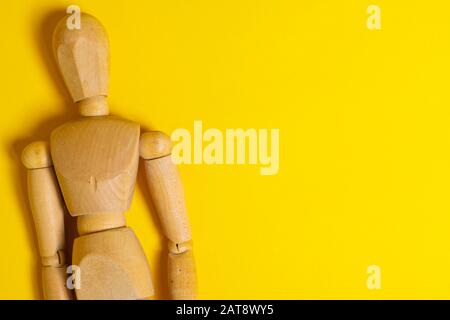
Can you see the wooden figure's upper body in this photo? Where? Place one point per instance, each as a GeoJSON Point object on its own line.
{"type": "Point", "coordinates": [95, 157]}
{"type": "Point", "coordinates": [96, 161]}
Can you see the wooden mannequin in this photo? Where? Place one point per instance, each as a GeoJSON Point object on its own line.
{"type": "Point", "coordinates": [93, 163]}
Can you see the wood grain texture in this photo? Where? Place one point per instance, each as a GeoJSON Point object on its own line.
{"type": "Point", "coordinates": [182, 276]}
{"type": "Point", "coordinates": [37, 155]}
{"type": "Point", "coordinates": [167, 194]}
{"type": "Point", "coordinates": [91, 223]}
{"type": "Point", "coordinates": [82, 55]}
{"type": "Point", "coordinates": [47, 209]}
{"type": "Point", "coordinates": [48, 214]}
{"type": "Point", "coordinates": [96, 161]}
{"type": "Point", "coordinates": [54, 283]}
{"type": "Point", "coordinates": [113, 266]}
{"type": "Point", "coordinates": [93, 107]}
{"type": "Point", "coordinates": [154, 144]}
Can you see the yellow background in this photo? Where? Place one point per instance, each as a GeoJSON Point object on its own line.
{"type": "Point", "coordinates": [364, 119]}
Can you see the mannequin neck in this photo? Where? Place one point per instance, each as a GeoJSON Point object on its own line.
{"type": "Point", "coordinates": [93, 106]}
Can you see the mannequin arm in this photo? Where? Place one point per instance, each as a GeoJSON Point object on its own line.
{"type": "Point", "coordinates": [48, 215]}
{"type": "Point", "coordinates": [167, 195]}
